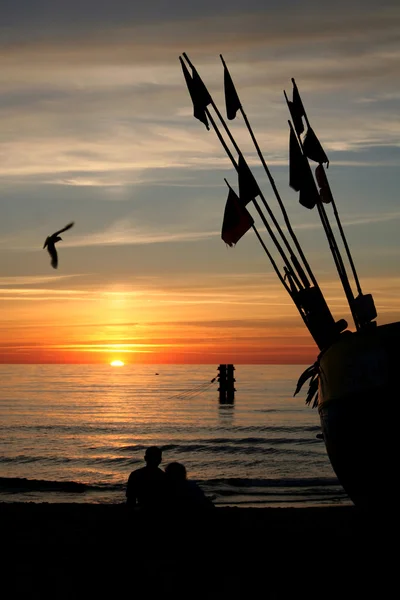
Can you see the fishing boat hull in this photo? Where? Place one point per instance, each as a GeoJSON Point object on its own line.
{"type": "Point", "coordinates": [358, 404]}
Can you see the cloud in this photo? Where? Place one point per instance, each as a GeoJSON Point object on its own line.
{"type": "Point", "coordinates": [97, 126]}
{"type": "Point", "coordinates": [370, 219]}
{"type": "Point", "coordinates": [167, 26]}
{"type": "Point", "coordinates": [120, 233]}
{"type": "Point", "coordinates": [102, 105]}
{"type": "Point", "coordinates": [42, 293]}
{"type": "Point", "coordinates": [123, 233]}
{"type": "Point", "coordinates": [33, 279]}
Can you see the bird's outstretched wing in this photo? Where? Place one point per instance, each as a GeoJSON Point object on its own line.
{"type": "Point", "coordinates": [53, 253]}
{"type": "Point", "coordinates": [64, 228]}
{"type": "Point", "coordinates": [46, 242]}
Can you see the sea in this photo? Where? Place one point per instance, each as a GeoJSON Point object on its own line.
{"type": "Point", "coordinates": [73, 433]}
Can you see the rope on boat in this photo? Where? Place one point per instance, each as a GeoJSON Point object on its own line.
{"type": "Point", "coordinates": [195, 391]}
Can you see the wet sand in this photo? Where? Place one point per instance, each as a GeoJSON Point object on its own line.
{"type": "Point", "coordinates": [96, 551]}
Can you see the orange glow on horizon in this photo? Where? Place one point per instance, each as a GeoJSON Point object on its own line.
{"type": "Point", "coordinates": [168, 330]}
{"type": "Point", "coordinates": [266, 351]}
{"type": "Point", "coordinates": [40, 337]}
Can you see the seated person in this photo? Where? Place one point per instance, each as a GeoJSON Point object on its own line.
{"type": "Point", "coordinates": [182, 493]}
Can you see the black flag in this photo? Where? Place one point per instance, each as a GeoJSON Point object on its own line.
{"type": "Point", "coordinates": [296, 163]}
{"type": "Point", "coordinates": [313, 149]}
{"type": "Point", "coordinates": [297, 111]}
{"type": "Point", "coordinates": [324, 189]}
{"type": "Point", "coordinates": [308, 194]}
{"type": "Point", "coordinates": [232, 101]}
{"type": "Point", "coordinates": [198, 93]}
{"type": "Point", "coordinates": [237, 219]}
{"type": "Point", "coordinates": [248, 186]}
{"type": "Point", "coordinates": [300, 176]}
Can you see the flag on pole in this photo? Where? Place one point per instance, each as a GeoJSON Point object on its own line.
{"type": "Point", "coordinates": [232, 101]}
{"type": "Point", "coordinates": [300, 176]}
{"type": "Point", "coordinates": [313, 149]}
{"type": "Point", "coordinates": [308, 194]}
{"type": "Point", "coordinates": [198, 93]}
{"type": "Point", "coordinates": [296, 163]}
{"type": "Point", "coordinates": [201, 90]}
{"type": "Point", "coordinates": [248, 186]}
{"type": "Point", "coordinates": [297, 111]}
{"type": "Point", "coordinates": [237, 219]}
{"type": "Point", "coordinates": [324, 189]}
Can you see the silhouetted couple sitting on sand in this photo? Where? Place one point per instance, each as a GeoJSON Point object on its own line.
{"type": "Point", "coordinates": [151, 487]}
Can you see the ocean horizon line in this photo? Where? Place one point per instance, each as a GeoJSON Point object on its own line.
{"type": "Point", "coordinates": [127, 364]}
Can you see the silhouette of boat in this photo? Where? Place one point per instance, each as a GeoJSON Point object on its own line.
{"type": "Point", "coordinates": [354, 381]}
{"type": "Point", "coordinates": [358, 409]}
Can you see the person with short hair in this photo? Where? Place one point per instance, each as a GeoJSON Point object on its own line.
{"type": "Point", "coordinates": [146, 486]}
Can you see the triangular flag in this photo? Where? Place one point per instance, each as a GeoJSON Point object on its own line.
{"type": "Point", "coordinates": [309, 194]}
{"type": "Point", "coordinates": [324, 189]}
{"type": "Point", "coordinates": [204, 98]}
{"type": "Point", "coordinates": [237, 220]}
{"type": "Point", "coordinates": [297, 110]}
{"type": "Point", "coordinates": [296, 163]}
{"type": "Point", "coordinates": [248, 186]}
{"type": "Point", "coordinates": [300, 176]}
{"type": "Point", "coordinates": [313, 149]}
{"type": "Point", "coordinates": [232, 101]}
{"type": "Point", "coordinates": [198, 93]}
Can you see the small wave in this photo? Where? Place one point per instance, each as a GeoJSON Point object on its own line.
{"type": "Point", "coordinates": [17, 484]}
{"type": "Point", "coordinates": [220, 485]}
{"type": "Point", "coordinates": [250, 445]}
{"type": "Point", "coordinates": [266, 428]}
{"type": "Point", "coordinates": [21, 484]}
{"type": "Point", "coordinates": [162, 428]}
{"type": "Point", "coordinates": [208, 448]}
{"type": "Point", "coordinates": [273, 482]}
{"type": "Point", "coordinates": [255, 441]}
{"type": "Point", "coordinates": [24, 459]}
{"type": "Point", "coordinates": [286, 501]}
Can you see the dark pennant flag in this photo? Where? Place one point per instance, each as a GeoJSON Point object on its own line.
{"type": "Point", "coordinates": [297, 111]}
{"type": "Point", "coordinates": [313, 149]}
{"type": "Point", "coordinates": [198, 93]}
{"type": "Point", "coordinates": [237, 219]}
{"type": "Point", "coordinates": [232, 101]}
{"type": "Point", "coordinates": [248, 186]}
{"type": "Point", "coordinates": [296, 163]}
{"type": "Point", "coordinates": [300, 176]}
{"type": "Point", "coordinates": [324, 189]}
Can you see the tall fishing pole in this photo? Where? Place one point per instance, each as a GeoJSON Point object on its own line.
{"type": "Point", "coordinates": [290, 290]}
{"type": "Point", "coordinates": [308, 300]}
{"type": "Point", "coordinates": [362, 307]}
{"type": "Point", "coordinates": [268, 173]}
{"type": "Point", "coordinates": [328, 230]}
{"type": "Point", "coordinates": [295, 262]}
{"type": "Point", "coordinates": [236, 166]}
{"type": "Point", "coordinates": [331, 199]}
{"type": "Point", "coordinates": [326, 189]}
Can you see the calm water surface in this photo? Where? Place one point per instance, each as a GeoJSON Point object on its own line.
{"type": "Point", "coordinates": [91, 425]}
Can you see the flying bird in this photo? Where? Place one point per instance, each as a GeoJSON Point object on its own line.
{"type": "Point", "coordinates": [50, 243]}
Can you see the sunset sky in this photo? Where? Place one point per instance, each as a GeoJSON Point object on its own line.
{"type": "Point", "coordinates": [97, 128]}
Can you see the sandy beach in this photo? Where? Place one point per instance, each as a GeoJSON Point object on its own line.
{"type": "Point", "coordinates": [91, 551]}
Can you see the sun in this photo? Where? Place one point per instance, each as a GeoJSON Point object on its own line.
{"type": "Point", "coordinates": [117, 363]}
